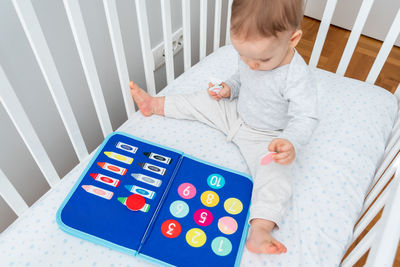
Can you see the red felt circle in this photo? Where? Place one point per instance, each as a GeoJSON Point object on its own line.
{"type": "Point", "coordinates": [135, 202]}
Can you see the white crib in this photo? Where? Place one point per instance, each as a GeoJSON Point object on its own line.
{"type": "Point", "coordinates": [381, 240]}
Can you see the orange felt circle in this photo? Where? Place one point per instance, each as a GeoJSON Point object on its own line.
{"type": "Point", "coordinates": [135, 202]}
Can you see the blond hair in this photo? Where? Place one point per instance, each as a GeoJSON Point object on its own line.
{"type": "Point", "coordinates": [265, 18]}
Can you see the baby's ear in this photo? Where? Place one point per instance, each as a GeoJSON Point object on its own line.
{"type": "Point", "coordinates": [295, 38]}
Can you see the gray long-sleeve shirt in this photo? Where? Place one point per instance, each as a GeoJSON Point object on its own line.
{"type": "Point", "coordinates": [284, 98]}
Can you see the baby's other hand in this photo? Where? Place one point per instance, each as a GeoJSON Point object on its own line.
{"type": "Point", "coordinates": [225, 91]}
{"type": "Point", "coordinates": [285, 151]}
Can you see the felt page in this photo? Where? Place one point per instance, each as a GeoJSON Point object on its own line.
{"type": "Point", "coordinates": [203, 220]}
{"type": "Point", "coordinates": [94, 210]}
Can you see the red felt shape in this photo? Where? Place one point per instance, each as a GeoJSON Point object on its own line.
{"type": "Point", "coordinates": [135, 202]}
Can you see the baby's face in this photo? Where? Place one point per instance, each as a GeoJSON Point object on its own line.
{"type": "Point", "coordinates": [264, 53]}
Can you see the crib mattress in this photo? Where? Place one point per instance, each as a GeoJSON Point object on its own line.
{"type": "Point", "coordinates": [330, 176]}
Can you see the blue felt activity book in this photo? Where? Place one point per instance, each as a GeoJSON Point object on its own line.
{"type": "Point", "coordinates": [159, 204]}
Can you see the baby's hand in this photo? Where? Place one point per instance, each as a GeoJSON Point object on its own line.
{"type": "Point", "coordinates": [285, 151]}
{"type": "Point", "coordinates": [225, 91]}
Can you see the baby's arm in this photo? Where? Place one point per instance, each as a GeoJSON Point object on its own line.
{"type": "Point", "coordinates": [234, 84]}
{"type": "Point", "coordinates": [302, 111]}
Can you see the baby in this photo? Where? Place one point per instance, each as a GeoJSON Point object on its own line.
{"type": "Point", "coordinates": [269, 104]}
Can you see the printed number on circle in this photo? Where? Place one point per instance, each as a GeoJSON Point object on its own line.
{"type": "Point", "coordinates": [233, 206]}
{"type": "Point", "coordinates": [187, 190]}
{"type": "Point", "coordinates": [221, 246]}
{"type": "Point", "coordinates": [216, 181]}
{"type": "Point", "coordinates": [203, 217]}
{"type": "Point", "coordinates": [179, 208]}
{"type": "Point", "coordinates": [171, 228]}
{"type": "Point", "coordinates": [209, 199]}
{"type": "Point", "coordinates": [196, 237]}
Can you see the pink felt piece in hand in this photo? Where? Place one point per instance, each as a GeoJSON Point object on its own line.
{"type": "Point", "coordinates": [267, 159]}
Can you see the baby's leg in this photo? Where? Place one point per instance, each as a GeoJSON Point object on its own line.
{"type": "Point", "coordinates": [147, 104]}
{"type": "Point", "coordinates": [260, 239]}
{"type": "Point", "coordinates": [271, 191]}
{"type": "Point", "coordinates": [196, 106]}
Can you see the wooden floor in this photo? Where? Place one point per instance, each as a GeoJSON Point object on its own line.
{"type": "Point", "coordinates": [360, 64]}
{"type": "Point", "coordinates": [363, 57]}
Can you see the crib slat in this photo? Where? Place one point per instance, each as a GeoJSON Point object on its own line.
{"type": "Point", "coordinates": [384, 248]}
{"type": "Point", "coordinates": [148, 59]}
{"type": "Point", "coordinates": [34, 33]}
{"type": "Point", "coordinates": [322, 32]}
{"type": "Point", "coordinates": [114, 29]}
{"type": "Point", "coordinates": [167, 33]}
{"type": "Point", "coordinates": [85, 53]}
{"type": "Point", "coordinates": [379, 182]}
{"type": "Point", "coordinates": [385, 49]}
{"type": "Point", "coordinates": [11, 195]}
{"type": "Point", "coordinates": [389, 155]}
{"type": "Point", "coordinates": [354, 36]}
{"type": "Point", "coordinates": [228, 23]}
{"type": "Point", "coordinates": [360, 248]}
{"type": "Point", "coordinates": [397, 92]}
{"type": "Point", "coordinates": [203, 29]}
{"type": "Point", "coordinates": [24, 127]}
{"type": "Point", "coordinates": [187, 49]}
{"type": "Point", "coordinates": [371, 213]}
{"type": "Point", "coordinates": [217, 23]}
{"type": "Point", "coordinates": [393, 138]}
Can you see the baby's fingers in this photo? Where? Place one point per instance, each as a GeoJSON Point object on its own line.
{"type": "Point", "coordinates": [285, 161]}
{"type": "Point", "coordinates": [281, 156]}
{"type": "Point", "coordinates": [214, 95]}
{"type": "Point", "coordinates": [284, 147]}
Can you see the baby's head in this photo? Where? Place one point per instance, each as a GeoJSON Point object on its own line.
{"type": "Point", "coordinates": [264, 31]}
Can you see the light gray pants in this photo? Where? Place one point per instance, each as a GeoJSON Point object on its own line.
{"type": "Point", "coordinates": [272, 185]}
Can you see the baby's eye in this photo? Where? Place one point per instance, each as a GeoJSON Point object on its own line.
{"type": "Point", "coordinates": [265, 60]}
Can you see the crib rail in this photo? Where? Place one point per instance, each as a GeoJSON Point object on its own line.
{"type": "Point", "coordinates": [37, 40]}
{"type": "Point", "coordinates": [75, 18]}
{"type": "Point", "coordinates": [382, 234]}
{"type": "Point", "coordinates": [384, 189]}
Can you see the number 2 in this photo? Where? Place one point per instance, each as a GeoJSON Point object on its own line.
{"type": "Point", "coordinates": [196, 234]}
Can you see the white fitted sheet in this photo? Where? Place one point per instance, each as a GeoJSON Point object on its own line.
{"type": "Point", "coordinates": [330, 176]}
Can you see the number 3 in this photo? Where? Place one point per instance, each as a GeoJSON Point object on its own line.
{"type": "Point", "coordinates": [170, 229]}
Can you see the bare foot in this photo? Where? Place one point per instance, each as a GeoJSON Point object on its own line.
{"type": "Point", "coordinates": [260, 239]}
{"type": "Point", "coordinates": [147, 104]}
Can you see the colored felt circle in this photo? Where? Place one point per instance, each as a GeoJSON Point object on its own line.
{"type": "Point", "coordinates": [216, 181]}
{"type": "Point", "coordinates": [135, 202]}
{"type": "Point", "coordinates": [196, 237]}
{"type": "Point", "coordinates": [203, 217]}
{"type": "Point", "coordinates": [233, 206]}
{"type": "Point", "coordinates": [179, 208]}
{"type": "Point", "coordinates": [227, 225]}
{"type": "Point", "coordinates": [187, 190]}
{"type": "Point", "coordinates": [209, 199]}
{"type": "Point", "coordinates": [221, 246]}
{"type": "Point", "coordinates": [171, 228]}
